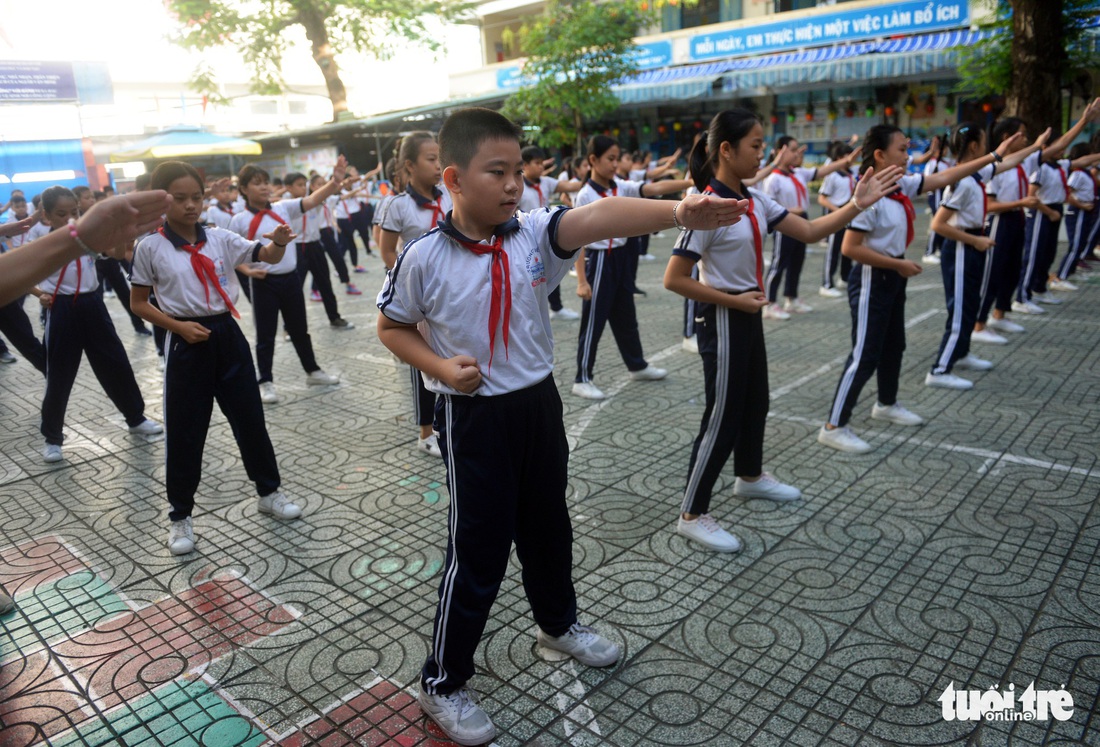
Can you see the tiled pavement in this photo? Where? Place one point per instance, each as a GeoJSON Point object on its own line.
{"type": "Point", "coordinates": [964, 552]}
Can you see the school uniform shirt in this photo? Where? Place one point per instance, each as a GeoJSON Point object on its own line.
{"type": "Point", "coordinates": [160, 263]}
{"type": "Point", "coordinates": [380, 211]}
{"type": "Point", "coordinates": [781, 187]}
{"type": "Point", "coordinates": [291, 213]}
{"type": "Point", "coordinates": [328, 211]}
{"type": "Point", "coordinates": [838, 187]}
{"type": "Point", "coordinates": [1011, 185]}
{"type": "Point", "coordinates": [536, 194]}
{"type": "Point", "coordinates": [966, 199]}
{"type": "Point", "coordinates": [1082, 186]}
{"type": "Point", "coordinates": [347, 206]}
{"type": "Point", "coordinates": [1053, 181]}
{"type": "Point", "coordinates": [439, 282]}
{"type": "Point", "coordinates": [727, 255]}
{"type": "Point", "coordinates": [239, 204]}
{"type": "Point", "coordinates": [218, 215]}
{"type": "Point", "coordinates": [310, 225]}
{"type": "Point", "coordinates": [591, 192]}
{"type": "Point", "coordinates": [77, 276]}
{"type": "Point", "coordinates": [638, 175]}
{"type": "Point", "coordinates": [412, 215]}
{"type": "Point", "coordinates": [885, 223]}
{"type": "Point", "coordinates": [14, 242]}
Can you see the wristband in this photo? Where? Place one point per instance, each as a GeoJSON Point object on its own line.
{"type": "Point", "coordinates": [675, 220]}
{"type": "Point", "coordinates": [79, 242]}
{"type": "Point", "coordinates": [855, 204]}
{"type": "Point", "coordinates": [997, 158]}
{"type": "Point", "coordinates": [281, 246]}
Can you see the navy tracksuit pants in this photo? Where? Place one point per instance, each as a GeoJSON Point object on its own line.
{"type": "Point", "coordinates": [788, 255]}
{"type": "Point", "coordinates": [507, 463]}
{"type": "Point", "coordinates": [423, 399]}
{"type": "Point", "coordinates": [834, 258]}
{"type": "Point", "coordinates": [1002, 262]}
{"type": "Point", "coordinates": [962, 267]}
{"type": "Point", "coordinates": [347, 240]}
{"type": "Point", "coordinates": [332, 248]}
{"type": "Point", "coordinates": [877, 300]}
{"type": "Point", "coordinates": [220, 368]}
{"type": "Point", "coordinates": [1078, 229]}
{"type": "Point", "coordinates": [78, 325]}
{"type": "Point", "coordinates": [312, 261]}
{"type": "Point", "coordinates": [110, 271]}
{"type": "Point", "coordinates": [1040, 245]}
{"type": "Point", "coordinates": [610, 273]}
{"type": "Point", "coordinates": [362, 222]}
{"type": "Point", "coordinates": [16, 326]}
{"type": "Point", "coordinates": [271, 296]}
{"type": "Point", "coordinates": [935, 241]}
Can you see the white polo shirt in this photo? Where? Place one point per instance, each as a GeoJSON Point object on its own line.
{"type": "Point", "coordinates": [441, 283]}
{"type": "Point", "coordinates": [159, 263]}
{"type": "Point", "coordinates": [291, 213]}
{"type": "Point", "coordinates": [966, 200]}
{"type": "Point", "coordinates": [347, 206]}
{"type": "Point", "coordinates": [1011, 185]}
{"type": "Point", "coordinates": [838, 187]}
{"type": "Point", "coordinates": [412, 215]}
{"type": "Point", "coordinates": [380, 211]}
{"type": "Point", "coordinates": [727, 255]}
{"type": "Point", "coordinates": [885, 222]}
{"type": "Point", "coordinates": [591, 192]}
{"type": "Point", "coordinates": [79, 275]}
{"type": "Point", "coordinates": [1082, 186]}
{"type": "Point", "coordinates": [14, 242]}
{"type": "Point", "coordinates": [536, 194]}
{"type": "Point", "coordinates": [780, 186]}
{"type": "Point", "coordinates": [310, 225]}
{"type": "Point", "coordinates": [1052, 179]}
{"type": "Point", "coordinates": [218, 215]}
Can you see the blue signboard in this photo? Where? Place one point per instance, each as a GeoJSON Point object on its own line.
{"type": "Point", "coordinates": [646, 57]}
{"type": "Point", "coordinates": [891, 19]}
{"type": "Point", "coordinates": [36, 81]}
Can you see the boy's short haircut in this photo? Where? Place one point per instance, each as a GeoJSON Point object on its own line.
{"type": "Point", "coordinates": [533, 153]}
{"type": "Point", "coordinates": [142, 182]}
{"type": "Point", "coordinates": [292, 177]}
{"type": "Point", "coordinates": [250, 173]}
{"type": "Point", "coordinates": [18, 200]}
{"type": "Point", "coordinates": [464, 131]}
{"type": "Point", "coordinates": [78, 191]}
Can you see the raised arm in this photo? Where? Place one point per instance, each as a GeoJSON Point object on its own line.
{"type": "Point", "coordinates": [331, 187]}
{"type": "Point", "coordinates": [1091, 113]}
{"type": "Point", "coordinates": [941, 179]}
{"type": "Point", "coordinates": [839, 164]}
{"type": "Point", "coordinates": [625, 216]}
{"type": "Point", "coordinates": [871, 188]}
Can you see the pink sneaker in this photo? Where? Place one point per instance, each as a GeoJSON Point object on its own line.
{"type": "Point", "coordinates": [353, 291]}
{"type": "Point", "coordinates": [315, 296]}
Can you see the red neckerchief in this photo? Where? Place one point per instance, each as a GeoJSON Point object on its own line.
{"type": "Point", "coordinates": [1021, 182]}
{"type": "Point", "coordinates": [910, 213]}
{"type": "Point", "coordinates": [61, 279]}
{"type": "Point", "coordinates": [500, 306]}
{"type": "Point", "coordinates": [603, 193]}
{"type": "Point", "coordinates": [1065, 182]}
{"type": "Point", "coordinates": [328, 215]}
{"type": "Point", "coordinates": [258, 217]}
{"type": "Point", "coordinates": [204, 268]}
{"type": "Point", "coordinates": [851, 183]}
{"type": "Point", "coordinates": [537, 186]}
{"type": "Point", "coordinates": [225, 208]}
{"type": "Point", "coordinates": [757, 237]}
{"type": "Point", "coordinates": [435, 206]}
{"type": "Point", "coordinates": [799, 187]}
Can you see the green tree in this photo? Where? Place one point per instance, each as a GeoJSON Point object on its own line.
{"type": "Point", "coordinates": [259, 32]}
{"type": "Point", "coordinates": [1036, 49]}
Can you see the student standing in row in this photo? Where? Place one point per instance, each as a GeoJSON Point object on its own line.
{"type": "Point", "coordinates": [937, 162]}
{"type": "Point", "coordinates": [191, 268]}
{"type": "Point", "coordinates": [14, 323]}
{"type": "Point", "coordinates": [346, 209]}
{"type": "Point", "coordinates": [836, 190]}
{"type": "Point", "coordinates": [1080, 214]}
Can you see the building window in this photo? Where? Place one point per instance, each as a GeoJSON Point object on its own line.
{"type": "Point", "coordinates": [297, 107]}
{"type": "Point", "coordinates": [265, 107]}
{"type": "Point", "coordinates": [702, 13]}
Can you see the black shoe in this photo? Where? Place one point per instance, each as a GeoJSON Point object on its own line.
{"type": "Point", "coordinates": [341, 323]}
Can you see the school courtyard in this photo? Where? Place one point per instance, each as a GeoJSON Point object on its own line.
{"type": "Point", "coordinates": [964, 555]}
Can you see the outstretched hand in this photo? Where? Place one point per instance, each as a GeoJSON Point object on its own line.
{"type": "Point", "coordinates": [121, 219]}
{"type": "Point", "coordinates": [340, 170]}
{"type": "Point", "coordinates": [707, 212]}
{"type": "Point", "coordinates": [1044, 137]}
{"type": "Point", "coordinates": [872, 187]}
{"type": "Point", "coordinates": [1009, 143]}
{"type": "Point", "coordinates": [19, 227]}
{"type": "Point", "coordinates": [282, 235]}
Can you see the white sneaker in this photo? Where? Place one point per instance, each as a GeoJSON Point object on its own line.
{"type": "Point", "coordinates": [277, 504]}
{"type": "Point", "coordinates": [690, 344]}
{"type": "Point", "coordinates": [572, 272]}
{"type": "Point", "coordinates": [775, 311]}
{"type": "Point", "coordinates": [705, 530]}
{"type": "Point", "coordinates": [947, 381]}
{"type": "Point", "coordinates": [588, 390]}
{"type": "Point", "coordinates": [51, 453]}
{"type": "Point", "coordinates": [584, 644]}
{"type": "Point", "coordinates": [796, 306]}
{"type": "Point", "coordinates": [564, 313]}
{"type": "Point", "coordinates": [429, 445]}
{"type": "Point", "coordinates": [147, 427]}
{"type": "Point", "coordinates": [988, 336]}
{"type": "Point", "coordinates": [1046, 298]}
{"type": "Point", "coordinates": [895, 414]}
{"type": "Point", "coordinates": [648, 258]}
{"type": "Point", "coordinates": [163, 362]}
{"type": "Point", "coordinates": [973, 363]}
{"type": "Point", "coordinates": [1061, 285]}
{"type": "Point", "coordinates": [842, 439]}
{"type": "Point", "coordinates": [268, 395]}
{"type": "Point", "coordinates": [320, 378]}
{"type": "Point", "coordinates": [458, 715]}
{"type": "Point", "coordinates": [181, 537]}
{"type": "Point", "coordinates": [1027, 307]}
{"type": "Point", "coordinates": [930, 259]}
{"type": "Point", "coordinates": [829, 292]}
{"type": "Point", "coordinates": [1003, 325]}
{"type": "Point", "coordinates": [766, 487]}
{"type": "Point", "coordinates": [842, 284]}
{"type": "Point", "coordinates": [649, 373]}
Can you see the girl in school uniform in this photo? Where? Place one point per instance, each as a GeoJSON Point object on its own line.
{"type": "Point", "coordinates": [346, 210]}
{"type": "Point", "coordinates": [937, 162]}
{"type": "Point", "coordinates": [311, 254]}
{"type": "Point", "coordinates": [961, 220]}
{"type": "Point", "coordinates": [77, 324]}
{"type": "Point", "coordinates": [329, 231]}
{"type": "Point", "coordinates": [876, 241]}
{"type": "Point", "coordinates": [576, 169]}
{"type": "Point", "coordinates": [396, 186]}
{"type": "Point", "coordinates": [836, 189]}
{"type": "Point", "coordinates": [728, 295]}
{"type": "Point", "coordinates": [787, 186]}
{"type": "Point", "coordinates": [410, 215]}
{"type": "Point", "coordinates": [1080, 215]}
{"type": "Point", "coordinates": [190, 266]}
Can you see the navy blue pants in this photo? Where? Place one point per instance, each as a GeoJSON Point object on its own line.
{"type": "Point", "coordinates": [1002, 262]}
{"type": "Point", "coordinates": [312, 261]}
{"type": "Point", "coordinates": [423, 399]}
{"type": "Point", "coordinates": [16, 326]}
{"type": "Point", "coordinates": [610, 273]}
{"type": "Point", "coordinates": [877, 300]}
{"type": "Point", "coordinates": [735, 373]}
{"type": "Point", "coordinates": [332, 248]}
{"type": "Point", "coordinates": [1078, 230]}
{"type": "Point", "coordinates": [935, 241]}
{"type": "Point", "coordinates": [347, 240]}
{"type": "Point", "coordinates": [110, 271]}
{"type": "Point", "coordinates": [271, 296]}
{"type": "Point", "coordinates": [962, 268]}
{"type": "Point", "coordinates": [788, 255]}
{"type": "Point", "coordinates": [1040, 244]}
{"type": "Point", "coordinates": [220, 368]}
{"type": "Point", "coordinates": [555, 299]}
{"type": "Point", "coordinates": [834, 258]}
{"type": "Point", "coordinates": [507, 462]}
{"type": "Point", "coordinates": [78, 325]}
{"type": "Point", "coordinates": [362, 222]}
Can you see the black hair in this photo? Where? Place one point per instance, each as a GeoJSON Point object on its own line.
{"type": "Point", "coordinates": [532, 153]}
{"type": "Point", "coordinates": [18, 199]}
{"type": "Point", "coordinates": [78, 191]}
{"type": "Point", "coordinates": [142, 182]}
{"type": "Point", "coordinates": [962, 135]}
{"type": "Point", "coordinates": [249, 173]}
{"type": "Point", "coordinates": [464, 131]}
{"type": "Point", "coordinates": [169, 171]}
{"type": "Point", "coordinates": [294, 176]}
{"type": "Point", "coordinates": [838, 149]}
{"type": "Point", "coordinates": [781, 141]}
{"type": "Point", "coordinates": [877, 138]}
{"type": "Point", "coordinates": [52, 195]}
{"type": "Point", "coordinates": [36, 201]}
{"type": "Point", "coordinates": [410, 146]}
{"type": "Point", "coordinates": [600, 144]}
{"type": "Point", "coordinates": [1004, 128]}
{"type": "Point", "coordinates": [729, 126]}
{"type": "Point", "coordinates": [1079, 150]}
{"type": "Point", "coordinates": [314, 176]}
{"type": "Point", "coordinates": [276, 182]}
{"type": "Point", "coordinates": [99, 195]}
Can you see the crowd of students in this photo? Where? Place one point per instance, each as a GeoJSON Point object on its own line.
{"type": "Point", "coordinates": [475, 255]}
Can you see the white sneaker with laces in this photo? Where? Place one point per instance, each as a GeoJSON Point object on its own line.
{"type": "Point", "coordinates": [429, 445]}
{"type": "Point", "coordinates": [584, 644]}
{"type": "Point", "coordinates": [458, 715]}
{"type": "Point", "coordinates": [587, 390]}
{"type": "Point", "coordinates": [690, 344]}
{"type": "Point", "coordinates": [181, 537]}
{"type": "Point", "coordinates": [829, 292]}
{"type": "Point", "coordinates": [842, 284]}
{"type": "Point", "coordinates": [1003, 325]}
{"type": "Point", "coordinates": [278, 505]}
{"type": "Point", "coordinates": [564, 313]}
{"type": "Point", "coordinates": [766, 486]}
{"type": "Point", "coordinates": [775, 311]}
{"type": "Point", "coordinates": [147, 427]}
{"type": "Point", "coordinates": [930, 259]}
{"type": "Point", "coordinates": [649, 373]}
{"type": "Point", "coordinates": [268, 395]}
{"type": "Point", "coordinates": [320, 378]}
{"type": "Point", "coordinates": [795, 305]}
{"type": "Point", "coordinates": [948, 381]}
{"type": "Point", "coordinates": [1061, 285]}
{"type": "Point", "coordinates": [1027, 307]}
{"type": "Point", "coordinates": [895, 414]}
{"type": "Point", "coordinates": [842, 439]}
{"type": "Point", "coordinates": [988, 336]}
{"type": "Point", "coordinates": [51, 453]}
{"type": "Point", "coordinates": [972, 362]}
{"type": "Point", "coordinates": [704, 530]}
{"type": "Point", "coordinates": [1046, 298]}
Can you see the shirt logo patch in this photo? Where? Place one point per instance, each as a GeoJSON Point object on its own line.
{"type": "Point", "coordinates": [536, 269]}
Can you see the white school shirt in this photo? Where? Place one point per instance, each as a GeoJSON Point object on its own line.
{"type": "Point", "coordinates": [239, 204]}
{"type": "Point", "coordinates": [1082, 186]}
{"type": "Point", "coordinates": [159, 263]}
{"type": "Point", "coordinates": [218, 215]}
{"type": "Point", "coordinates": [1052, 179]}
{"type": "Point", "coordinates": [782, 189]}
{"type": "Point", "coordinates": [966, 200]}
{"type": "Point", "coordinates": [447, 287]}
{"type": "Point", "coordinates": [380, 211]}
{"type": "Point", "coordinates": [1011, 185]}
{"type": "Point", "coordinates": [884, 223]}
{"type": "Point", "coordinates": [838, 187]}
{"type": "Point", "coordinates": [79, 275]}
{"type": "Point", "coordinates": [347, 206]}
{"type": "Point", "coordinates": [591, 192]}
{"type": "Point", "coordinates": [536, 194]}
{"type": "Point", "coordinates": [411, 214]}
{"type": "Point", "coordinates": [14, 242]}
{"type": "Point", "coordinates": [638, 175]}
{"type": "Point", "coordinates": [291, 213]}
{"type": "Point", "coordinates": [727, 255]}
{"type": "Point", "coordinates": [310, 225]}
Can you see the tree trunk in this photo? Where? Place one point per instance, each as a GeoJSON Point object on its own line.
{"type": "Point", "coordinates": [1038, 62]}
{"type": "Point", "coordinates": [314, 23]}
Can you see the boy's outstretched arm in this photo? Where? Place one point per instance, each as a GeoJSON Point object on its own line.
{"type": "Point", "coordinates": [612, 217]}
